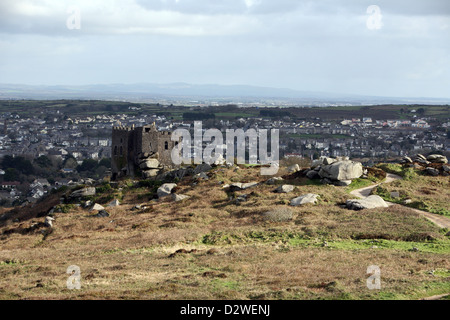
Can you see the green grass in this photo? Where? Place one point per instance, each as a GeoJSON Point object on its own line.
{"type": "Point", "coordinates": [300, 240]}
{"type": "Point", "coordinates": [359, 183]}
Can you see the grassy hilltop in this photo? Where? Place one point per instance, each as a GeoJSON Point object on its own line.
{"type": "Point", "coordinates": [211, 246]}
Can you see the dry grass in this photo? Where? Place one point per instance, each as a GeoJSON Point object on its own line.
{"type": "Point", "coordinates": [427, 193]}
{"type": "Point", "coordinates": [230, 250]}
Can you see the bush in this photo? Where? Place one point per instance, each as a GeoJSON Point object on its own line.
{"type": "Point", "coordinates": [103, 188]}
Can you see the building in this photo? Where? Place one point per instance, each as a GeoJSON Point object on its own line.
{"type": "Point", "coordinates": [130, 144]}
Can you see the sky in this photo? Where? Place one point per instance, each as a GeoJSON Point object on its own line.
{"type": "Point", "coordinates": [398, 48]}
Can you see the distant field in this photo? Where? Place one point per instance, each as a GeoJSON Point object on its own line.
{"type": "Point", "coordinates": [97, 107]}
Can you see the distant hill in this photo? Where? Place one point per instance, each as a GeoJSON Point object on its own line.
{"type": "Point", "coordinates": [184, 92]}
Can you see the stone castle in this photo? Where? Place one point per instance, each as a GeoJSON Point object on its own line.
{"type": "Point", "coordinates": [132, 147]}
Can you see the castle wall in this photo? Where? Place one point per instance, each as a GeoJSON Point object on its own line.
{"type": "Point", "coordinates": [128, 144]}
{"type": "Point", "coordinates": [122, 151]}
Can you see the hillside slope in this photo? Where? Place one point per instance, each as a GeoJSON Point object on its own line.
{"type": "Point", "coordinates": [220, 244]}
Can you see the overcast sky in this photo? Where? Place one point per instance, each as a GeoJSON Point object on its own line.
{"type": "Point", "coordinates": [317, 45]}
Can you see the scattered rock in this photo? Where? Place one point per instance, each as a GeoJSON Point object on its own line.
{"type": "Point", "coordinates": [201, 176]}
{"type": "Point", "coordinates": [240, 198]}
{"type": "Point", "coordinates": [165, 190]}
{"type": "Point", "coordinates": [101, 214]}
{"type": "Point", "coordinates": [273, 180]}
{"type": "Point", "coordinates": [304, 199]}
{"type": "Point", "coordinates": [114, 203]}
{"type": "Point", "coordinates": [285, 188]}
{"type": "Point", "coordinates": [370, 202]}
{"type": "Point", "coordinates": [87, 204]}
{"type": "Point", "coordinates": [49, 221]}
{"type": "Point", "coordinates": [294, 168]}
{"type": "Point", "coordinates": [97, 207]}
{"type": "Point", "coordinates": [85, 192]}
{"type": "Point", "coordinates": [242, 186]}
{"type": "Point", "coordinates": [407, 201]}
{"type": "Point", "coordinates": [179, 197]}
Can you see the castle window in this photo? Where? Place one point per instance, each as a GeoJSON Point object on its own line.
{"type": "Point", "coordinates": [121, 140]}
{"type": "Point", "coordinates": [166, 145]}
{"type": "Point", "coordinates": [121, 150]}
{"type": "Point", "coordinates": [115, 150]}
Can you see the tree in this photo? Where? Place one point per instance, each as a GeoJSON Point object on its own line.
{"type": "Point", "coordinates": [43, 162]}
{"type": "Point", "coordinates": [88, 165]}
{"type": "Point", "coordinates": [11, 174]}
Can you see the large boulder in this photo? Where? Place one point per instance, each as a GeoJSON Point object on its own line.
{"type": "Point", "coordinates": [204, 167]}
{"type": "Point", "coordinates": [437, 158]}
{"type": "Point", "coordinates": [147, 174]}
{"type": "Point", "coordinates": [342, 183]}
{"type": "Point", "coordinates": [432, 171]}
{"type": "Point", "coordinates": [370, 202]}
{"type": "Point", "coordinates": [342, 170]}
{"type": "Point", "coordinates": [294, 168]}
{"type": "Point", "coordinates": [313, 174]}
{"type": "Point", "coordinates": [97, 207]}
{"type": "Point", "coordinates": [304, 199]}
{"type": "Point", "coordinates": [85, 192]}
{"type": "Point", "coordinates": [165, 190]}
{"type": "Point", "coordinates": [149, 164]}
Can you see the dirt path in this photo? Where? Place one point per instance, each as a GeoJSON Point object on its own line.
{"type": "Point", "coordinates": [441, 221]}
{"type": "Point", "coordinates": [365, 192]}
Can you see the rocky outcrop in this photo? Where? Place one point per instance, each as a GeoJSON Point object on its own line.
{"type": "Point", "coordinates": [342, 170]}
{"type": "Point", "coordinates": [339, 171]}
{"type": "Point", "coordinates": [149, 165]}
{"type": "Point", "coordinates": [433, 165]}
{"type": "Point", "coordinates": [370, 202]}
